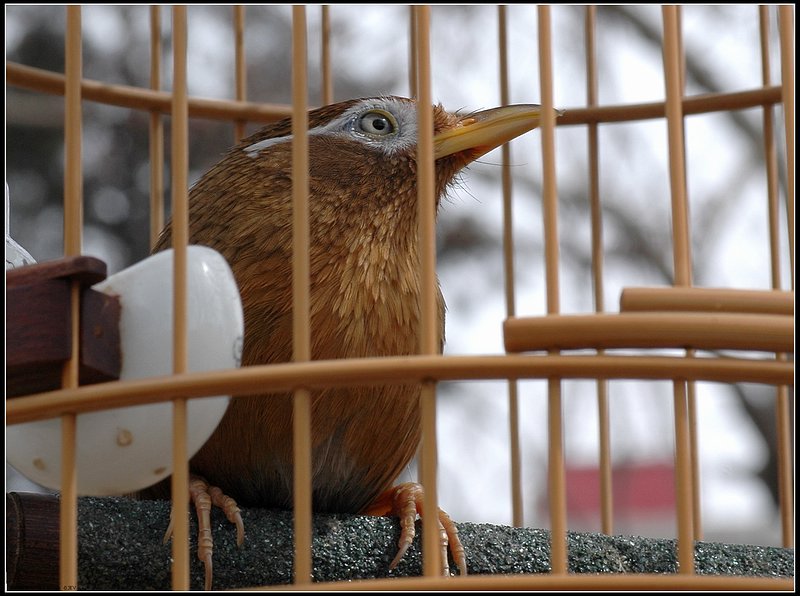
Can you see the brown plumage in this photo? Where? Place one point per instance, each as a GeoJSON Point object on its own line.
{"type": "Point", "coordinates": [365, 289]}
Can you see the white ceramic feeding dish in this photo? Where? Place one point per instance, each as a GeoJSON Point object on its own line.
{"type": "Point", "coordinates": [123, 450]}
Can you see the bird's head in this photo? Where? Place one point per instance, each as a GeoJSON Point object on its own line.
{"type": "Point", "coordinates": [371, 143]}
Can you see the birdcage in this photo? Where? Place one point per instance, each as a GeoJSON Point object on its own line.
{"type": "Point", "coordinates": [677, 333]}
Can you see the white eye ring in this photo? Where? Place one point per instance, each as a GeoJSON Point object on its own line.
{"type": "Point", "coordinates": [377, 123]}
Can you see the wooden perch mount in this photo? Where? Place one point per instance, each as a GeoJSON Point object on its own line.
{"type": "Point", "coordinates": [39, 329]}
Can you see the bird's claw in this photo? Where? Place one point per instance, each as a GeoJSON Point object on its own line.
{"type": "Point", "coordinates": [449, 535]}
{"type": "Point", "coordinates": [204, 496]}
{"type": "Point", "coordinates": [405, 500]}
{"type": "Point", "coordinates": [401, 551]}
{"type": "Point", "coordinates": [230, 509]}
{"type": "Point", "coordinates": [208, 565]}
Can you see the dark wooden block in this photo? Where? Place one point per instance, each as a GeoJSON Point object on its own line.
{"type": "Point", "coordinates": [38, 328]}
{"type": "Point", "coordinates": [100, 342]}
{"type": "Point", "coordinates": [37, 335]}
{"type": "Point", "coordinates": [87, 270]}
{"type": "Point", "coordinates": [32, 540]}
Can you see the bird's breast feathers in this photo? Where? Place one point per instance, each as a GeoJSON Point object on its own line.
{"type": "Point", "coordinates": [367, 304]}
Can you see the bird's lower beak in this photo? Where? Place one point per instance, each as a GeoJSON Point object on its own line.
{"type": "Point", "coordinates": [483, 131]}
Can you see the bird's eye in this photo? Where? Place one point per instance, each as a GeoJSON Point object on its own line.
{"type": "Point", "coordinates": [377, 123]}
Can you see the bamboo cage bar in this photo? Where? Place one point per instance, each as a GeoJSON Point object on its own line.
{"type": "Point", "coordinates": [36, 79]}
{"type": "Point", "coordinates": [301, 336]}
{"type": "Point", "coordinates": [412, 52]}
{"type": "Point", "coordinates": [691, 389]}
{"type": "Point", "coordinates": [73, 240]}
{"type": "Point", "coordinates": [240, 66]}
{"type": "Point", "coordinates": [603, 414]}
{"type": "Point", "coordinates": [515, 457]}
{"type": "Point", "coordinates": [691, 106]}
{"type": "Point", "coordinates": [563, 582]}
{"type": "Point", "coordinates": [680, 218]}
{"type": "Point", "coordinates": [783, 421]}
{"type": "Point", "coordinates": [180, 355]}
{"type": "Point", "coordinates": [73, 130]}
{"type": "Point", "coordinates": [723, 331]}
{"type": "Point", "coordinates": [555, 441]}
{"type": "Point", "coordinates": [68, 503]}
{"type": "Point", "coordinates": [325, 56]}
{"type": "Point", "coordinates": [429, 317]}
{"type": "Point", "coordinates": [683, 480]}
{"type": "Point", "coordinates": [426, 195]}
{"type": "Point", "coordinates": [783, 413]}
{"type": "Point", "coordinates": [786, 24]}
{"type": "Point", "coordinates": [770, 153]}
{"type": "Point", "coordinates": [156, 136]}
{"type": "Point", "coordinates": [399, 370]}
{"type": "Point", "coordinates": [682, 269]}
{"type": "Point", "coordinates": [694, 455]}
{"type": "Point", "coordinates": [125, 96]}
{"type": "Point", "coordinates": [723, 300]}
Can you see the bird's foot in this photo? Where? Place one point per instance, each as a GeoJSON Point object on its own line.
{"type": "Point", "coordinates": [404, 501]}
{"type": "Point", "coordinates": [204, 496]}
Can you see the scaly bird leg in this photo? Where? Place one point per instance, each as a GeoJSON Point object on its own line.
{"type": "Point", "coordinates": [204, 496]}
{"type": "Point", "coordinates": [405, 501]}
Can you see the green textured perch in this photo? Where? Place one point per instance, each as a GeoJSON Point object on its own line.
{"type": "Point", "coordinates": [120, 547]}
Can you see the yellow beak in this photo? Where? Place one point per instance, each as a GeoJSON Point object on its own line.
{"type": "Point", "coordinates": [483, 131]}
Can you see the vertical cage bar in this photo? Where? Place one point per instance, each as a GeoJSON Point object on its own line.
{"type": "Point", "coordinates": [180, 186]}
{"type": "Point", "coordinates": [412, 52]}
{"type": "Point", "coordinates": [782, 408]}
{"type": "Point", "coordinates": [517, 513]}
{"type": "Point", "coordinates": [240, 66]}
{"type": "Point", "coordinates": [682, 264]}
{"type": "Point", "coordinates": [691, 386]}
{"type": "Point", "coordinates": [674, 109]}
{"type": "Point", "coordinates": [770, 153]}
{"type": "Point", "coordinates": [694, 455]}
{"type": "Point", "coordinates": [603, 418]}
{"type": "Point", "coordinates": [180, 240]}
{"type": "Point", "coordinates": [556, 480]}
{"type": "Point", "coordinates": [683, 480]}
{"type": "Point", "coordinates": [786, 24]}
{"type": "Point", "coordinates": [783, 416]}
{"type": "Point", "coordinates": [301, 343]}
{"type": "Point", "coordinates": [73, 223]}
{"type": "Point", "coordinates": [73, 126]}
{"type": "Point", "coordinates": [68, 504]}
{"type": "Point", "coordinates": [327, 72]}
{"type": "Point", "coordinates": [156, 137]}
{"type": "Point", "coordinates": [555, 472]}
{"type": "Point", "coordinates": [594, 160]}
{"type": "Point", "coordinates": [429, 339]}
{"type": "Point", "coordinates": [549, 194]}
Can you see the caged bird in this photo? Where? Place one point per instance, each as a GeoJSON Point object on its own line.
{"type": "Point", "coordinates": [365, 286]}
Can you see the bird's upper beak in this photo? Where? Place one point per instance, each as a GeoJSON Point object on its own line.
{"type": "Point", "coordinates": [483, 131]}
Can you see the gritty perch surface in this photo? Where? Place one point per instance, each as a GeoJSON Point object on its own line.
{"type": "Point", "coordinates": [120, 547]}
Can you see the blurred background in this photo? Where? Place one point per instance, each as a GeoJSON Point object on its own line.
{"type": "Point", "coordinates": [726, 188]}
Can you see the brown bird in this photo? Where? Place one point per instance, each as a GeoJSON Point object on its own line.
{"type": "Point", "coordinates": [365, 301]}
